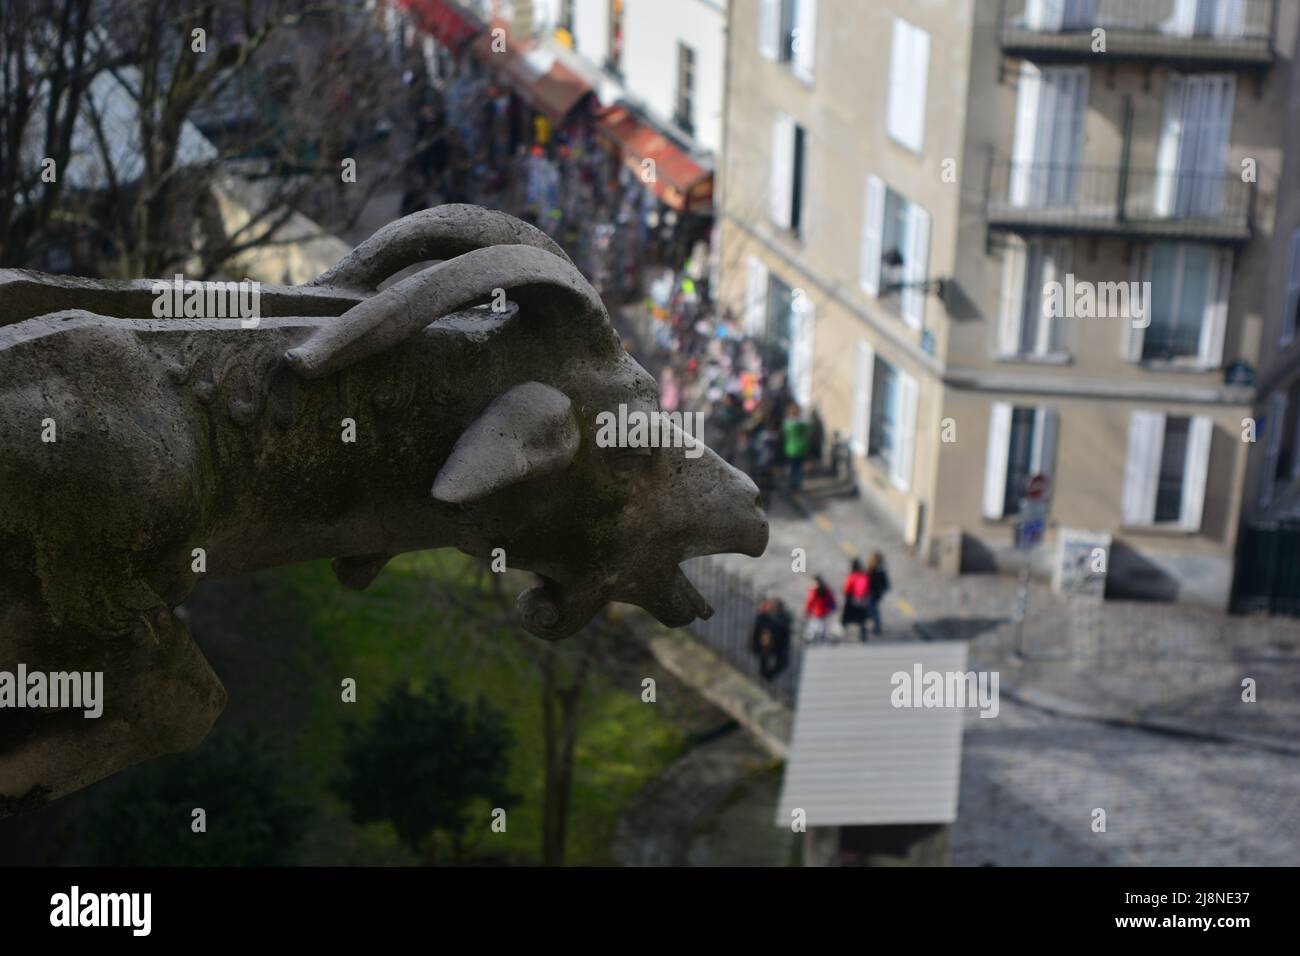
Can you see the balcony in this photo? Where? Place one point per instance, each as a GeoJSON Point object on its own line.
{"type": "Point", "coordinates": [1140, 204]}
{"type": "Point", "coordinates": [1188, 34]}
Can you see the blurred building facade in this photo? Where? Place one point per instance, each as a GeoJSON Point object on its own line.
{"type": "Point", "coordinates": [917, 201]}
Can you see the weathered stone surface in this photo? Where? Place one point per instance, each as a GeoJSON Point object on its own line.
{"type": "Point", "coordinates": [473, 428]}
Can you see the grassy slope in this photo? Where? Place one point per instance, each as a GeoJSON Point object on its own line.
{"type": "Point", "coordinates": [397, 631]}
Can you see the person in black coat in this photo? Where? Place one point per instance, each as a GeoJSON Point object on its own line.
{"type": "Point", "coordinates": [770, 640]}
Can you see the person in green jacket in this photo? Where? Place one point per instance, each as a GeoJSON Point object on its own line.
{"type": "Point", "coordinates": [796, 432]}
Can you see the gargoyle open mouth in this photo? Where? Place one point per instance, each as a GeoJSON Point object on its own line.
{"type": "Point", "coordinates": [552, 610]}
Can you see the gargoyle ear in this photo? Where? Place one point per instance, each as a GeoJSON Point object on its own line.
{"type": "Point", "coordinates": [528, 432]}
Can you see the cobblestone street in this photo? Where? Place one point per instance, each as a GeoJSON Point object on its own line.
{"type": "Point", "coordinates": [1030, 782]}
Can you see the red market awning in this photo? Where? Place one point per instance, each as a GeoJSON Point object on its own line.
{"type": "Point", "coordinates": [533, 72]}
{"type": "Point", "coordinates": [679, 180]}
{"type": "Point", "coordinates": [442, 20]}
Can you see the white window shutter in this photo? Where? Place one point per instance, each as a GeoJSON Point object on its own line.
{"type": "Point", "coordinates": [806, 39]}
{"type": "Point", "coordinates": [1215, 322]}
{"type": "Point", "coordinates": [1146, 439]}
{"type": "Point", "coordinates": [917, 258]}
{"type": "Point", "coordinates": [756, 297]}
{"type": "Point", "coordinates": [1011, 308]}
{"type": "Point", "coordinates": [900, 465]}
{"type": "Point", "coordinates": [1277, 403]}
{"type": "Point", "coordinates": [1131, 334]}
{"type": "Point", "coordinates": [995, 466]}
{"type": "Point", "coordinates": [862, 382]}
{"type": "Point", "coordinates": [920, 65]}
{"type": "Point", "coordinates": [781, 184]}
{"type": "Point", "coordinates": [1024, 140]}
{"type": "Point", "coordinates": [909, 67]}
{"type": "Point", "coordinates": [1196, 469]}
{"type": "Point", "coordinates": [1182, 21]}
{"type": "Point", "coordinates": [873, 227]}
{"type": "Point", "coordinates": [1171, 128]}
{"type": "Point", "coordinates": [801, 361]}
{"type": "Point", "coordinates": [1292, 297]}
{"type": "Point", "coordinates": [1043, 454]}
{"type": "Point", "coordinates": [769, 28]}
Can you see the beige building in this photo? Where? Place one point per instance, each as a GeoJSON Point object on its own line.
{"type": "Point", "coordinates": [1001, 238]}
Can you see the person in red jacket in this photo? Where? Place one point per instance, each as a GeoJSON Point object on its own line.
{"type": "Point", "coordinates": [819, 607]}
{"type": "Point", "coordinates": [857, 598]}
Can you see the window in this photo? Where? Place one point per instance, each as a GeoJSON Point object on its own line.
{"type": "Point", "coordinates": [909, 65]}
{"type": "Point", "coordinates": [786, 188]}
{"type": "Point", "coordinates": [884, 410]}
{"type": "Point", "coordinates": [1192, 154]}
{"type": "Point", "coordinates": [685, 115]}
{"type": "Point", "coordinates": [787, 34]}
{"type": "Point", "coordinates": [784, 320]}
{"type": "Point", "coordinates": [1224, 19]}
{"type": "Point", "coordinates": [1165, 469]}
{"type": "Point", "coordinates": [1187, 305]}
{"type": "Point", "coordinates": [895, 251]}
{"type": "Point", "coordinates": [778, 326]}
{"type": "Point", "coordinates": [1281, 443]}
{"type": "Point", "coordinates": [1291, 304]}
{"type": "Point", "coordinates": [1027, 328]}
{"type": "Point", "coordinates": [1057, 15]}
{"type": "Point", "coordinates": [885, 400]}
{"type": "Point", "coordinates": [1022, 443]}
{"type": "Point", "coordinates": [565, 17]}
{"type": "Point", "coordinates": [1048, 140]}
{"type": "Point", "coordinates": [614, 61]}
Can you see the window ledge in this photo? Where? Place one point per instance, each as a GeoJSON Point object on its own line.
{"type": "Point", "coordinates": [1159, 530]}
{"type": "Point", "coordinates": [1177, 365]}
{"type": "Point", "coordinates": [1047, 358]}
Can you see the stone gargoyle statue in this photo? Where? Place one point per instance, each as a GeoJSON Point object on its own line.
{"type": "Point", "coordinates": [130, 445]}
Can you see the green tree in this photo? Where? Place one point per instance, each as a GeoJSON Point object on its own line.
{"type": "Point", "coordinates": [422, 761]}
{"type": "Point", "coordinates": [237, 781]}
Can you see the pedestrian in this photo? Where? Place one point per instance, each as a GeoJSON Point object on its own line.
{"type": "Point", "coordinates": [795, 432]}
{"type": "Point", "coordinates": [819, 607]}
{"type": "Point", "coordinates": [857, 599]}
{"type": "Point", "coordinates": [878, 585]}
{"type": "Point", "coordinates": [670, 396]}
{"type": "Point", "coordinates": [770, 641]}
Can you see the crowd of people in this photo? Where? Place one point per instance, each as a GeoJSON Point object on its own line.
{"type": "Point", "coordinates": [863, 591]}
{"type": "Point", "coordinates": [740, 381]}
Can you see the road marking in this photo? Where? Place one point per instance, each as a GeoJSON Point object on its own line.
{"type": "Point", "coordinates": [906, 607]}
{"type": "Point", "coordinates": [823, 523]}
{"type": "Point", "coordinates": [848, 549]}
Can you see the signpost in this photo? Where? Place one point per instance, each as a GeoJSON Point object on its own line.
{"type": "Point", "coordinates": [1029, 535]}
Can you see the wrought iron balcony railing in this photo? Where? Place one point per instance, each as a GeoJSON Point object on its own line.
{"type": "Point", "coordinates": [1048, 198]}
{"type": "Point", "coordinates": [1187, 33]}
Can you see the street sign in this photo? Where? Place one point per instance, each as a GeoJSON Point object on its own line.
{"type": "Point", "coordinates": [1033, 523]}
{"type": "Point", "coordinates": [1036, 486]}
{"type": "Point", "coordinates": [1029, 534]}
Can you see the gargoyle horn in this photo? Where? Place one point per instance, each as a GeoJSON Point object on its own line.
{"type": "Point", "coordinates": [528, 432]}
{"type": "Point", "coordinates": [440, 233]}
{"type": "Point", "coordinates": [546, 287]}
